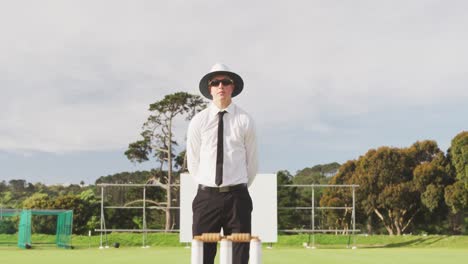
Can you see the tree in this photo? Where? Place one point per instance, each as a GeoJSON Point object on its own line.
{"type": "Point", "coordinates": [42, 224]}
{"type": "Point", "coordinates": [396, 184]}
{"type": "Point", "coordinates": [83, 210]}
{"type": "Point", "coordinates": [459, 156]}
{"type": "Point", "coordinates": [456, 194]}
{"type": "Point", "coordinates": [8, 226]}
{"type": "Point", "coordinates": [158, 139]}
{"type": "Point", "coordinates": [384, 191]}
{"type": "Point", "coordinates": [18, 186]}
{"type": "Point", "coordinates": [3, 186]}
{"type": "Point", "coordinates": [287, 197]}
{"type": "Point", "coordinates": [181, 161]}
{"type": "Point", "coordinates": [430, 179]}
{"type": "Point", "coordinates": [92, 205]}
{"type": "Point", "coordinates": [456, 197]}
{"type": "Point", "coordinates": [6, 199]}
{"type": "Point", "coordinates": [317, 174]}
{"type": "Point", "coordinates": [338, 197]}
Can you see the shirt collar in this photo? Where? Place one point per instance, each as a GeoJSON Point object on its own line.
{"type": "Point", "coordinates": [214, 110]}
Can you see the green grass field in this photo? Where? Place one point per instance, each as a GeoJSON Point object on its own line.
{"type": "Point", "coordinates": [166, 249]}
{"type": "Point", "coordinates": [276, 255]}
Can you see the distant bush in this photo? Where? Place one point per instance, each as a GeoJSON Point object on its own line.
{"type": "Point", "coordinates": [7, 227]}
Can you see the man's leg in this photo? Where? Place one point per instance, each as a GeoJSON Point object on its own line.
{"type": "Point", "coordinates": [238, 219]}
{"type": "Point", "coordinates": [206, 207]}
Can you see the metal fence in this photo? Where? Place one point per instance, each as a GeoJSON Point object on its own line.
{"type": "Point", "coordinates": [312, 231]}
{"type": "Point", "coordinates": [313, 209]}
{"type": "Point", "coordinates": [144, 230]}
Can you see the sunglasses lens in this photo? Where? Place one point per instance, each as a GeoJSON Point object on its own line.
{"type": "Point", "coordinates": [215, 83]}
{"type": "Point", "coordinates": [223, 81]}
{"type": "Point", "coordinates": [226, 82]}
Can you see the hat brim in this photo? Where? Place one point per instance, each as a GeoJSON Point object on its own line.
{"type": "Point", "coordinates": [238, 83]}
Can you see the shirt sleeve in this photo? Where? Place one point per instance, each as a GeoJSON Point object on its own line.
{"type": "Point", "coordinates": [193, 146]}
{"type": "Point", "coordinates": [251, 152]}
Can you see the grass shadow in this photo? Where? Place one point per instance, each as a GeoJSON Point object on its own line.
{"type": "Point", "coordinates": [410, 243]}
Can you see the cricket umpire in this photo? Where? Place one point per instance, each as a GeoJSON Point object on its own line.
{"type": "Point", "coordinates": [222, 159]}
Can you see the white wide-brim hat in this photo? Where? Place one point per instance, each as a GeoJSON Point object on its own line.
{"type": "Point", "coordinates": [221, 69]}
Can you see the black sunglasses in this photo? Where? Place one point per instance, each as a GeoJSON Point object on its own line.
{"type": "Point", "coordinates": [223, 81]}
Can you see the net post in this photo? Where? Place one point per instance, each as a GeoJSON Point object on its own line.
{"type": "Point", "coordinates": [313, 217]}
{"type": "Point", "coordinates": [354, 217]}
{"type": "Point", "coordinates": [144, 234]}
{"type": "Point", "coordinates": [102, 215]}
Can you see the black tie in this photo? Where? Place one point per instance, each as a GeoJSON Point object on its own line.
{"type": "Point", "coordinates": [220, 151]}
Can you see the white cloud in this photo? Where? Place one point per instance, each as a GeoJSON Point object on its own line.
{"type": "Point", "coordinates": [80, 75]}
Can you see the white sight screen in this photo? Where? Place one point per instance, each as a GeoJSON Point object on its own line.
{"type": "Point", "coordinates": [264, 215]}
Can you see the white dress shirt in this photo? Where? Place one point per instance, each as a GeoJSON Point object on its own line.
{"type": "Point", "coordinates": [240, 146]}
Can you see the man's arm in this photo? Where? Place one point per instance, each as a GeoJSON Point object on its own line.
{"type": "Point", "coordinates": [193, 146]}
{"type": "Point", "coordinates": [251, 152]}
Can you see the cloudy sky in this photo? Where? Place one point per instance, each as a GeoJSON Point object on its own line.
{"type": "Point", "coordinates": [324, 80]}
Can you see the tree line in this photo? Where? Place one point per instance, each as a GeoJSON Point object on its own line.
{"type": "Point", "coordinates": [418, 189]}
{"type": "Point", "coordinates": [401, 190]}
